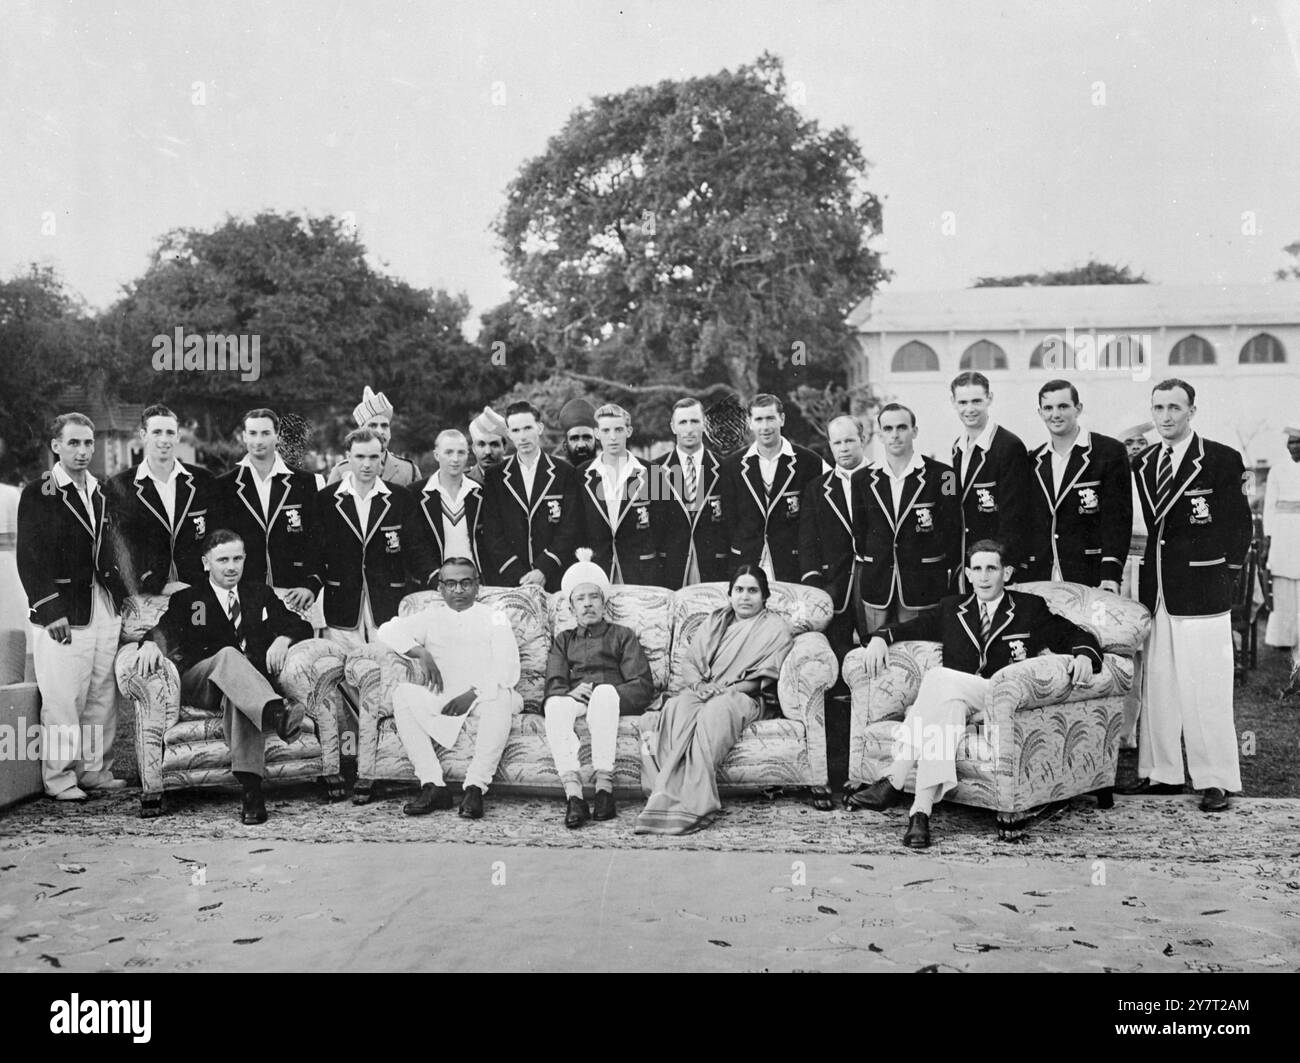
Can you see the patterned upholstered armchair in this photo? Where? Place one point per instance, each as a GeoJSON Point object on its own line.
{"type": "Point", "coordinates": [180, 746]}
{"type": "Point", "coordinates": [790, 750]}
{"type": "Point", "coordinates": [1037, 739]}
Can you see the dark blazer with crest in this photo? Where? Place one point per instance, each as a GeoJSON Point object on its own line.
{"type": "Point", "coordinates": [995, 495]}
{"type": "Point", "coordinates": [374, 559]}
{"type": "Point", "coordinates": [195, 625]}
{"type": "Point", "coordinates": [62, 553]}
{"type": "Point", "coordinates": [286, 542]}
{"type": "Point", "coordinates": [634, 534]}
{"type": "Point", "coordinates": [523, 532]}
{"type": "Point", "coordinates": [145, 545]}
{"type": "Point", "coordinates": [426, 532]}
{"type": "Point", "coordinates": [680, 522]}
{"type": "Point", "coordinates": [1196, 542]}
{"type": "Point", "coordinates": [1086, 527]}
{"type": "Point", "coordinates": [757, 515]}
{"type": "Point", "coordinates": [1023, 627]}
{"type": "Point", "coordinates": [914, 553]}
{"type": "Point", "coordinates": [826, 554]}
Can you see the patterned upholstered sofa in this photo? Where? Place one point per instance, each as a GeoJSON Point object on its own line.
{"type": "Point", "coordinates": [179, 746]}
{"type": "Point", "coordinates": [1037, 740]}
{"type": "Point", "coordinates": [789, 750]}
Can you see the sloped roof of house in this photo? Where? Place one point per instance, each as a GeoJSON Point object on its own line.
{"type": "Point", "coordinates": [1081, 306]}
{"type": "Point", "coordinates": [108, 416]}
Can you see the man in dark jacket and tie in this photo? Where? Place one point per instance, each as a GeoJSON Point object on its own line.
{"type": "Point", "coordinates": [227, 640]}
{"type": "Point", "coordinates": [694, 542]}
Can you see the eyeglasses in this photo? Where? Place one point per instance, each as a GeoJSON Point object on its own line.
{"type": "Point", "coordinates": [458, 584]}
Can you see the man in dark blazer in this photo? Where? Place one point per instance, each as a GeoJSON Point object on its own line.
{"type": "Point", "coordinates": [762, 493]}
{"type": "Point", "coordinates": [992, 470]}
{"type": "Point", "coordinates": [446, 520]}
{"type": "Point", "coordinates": [618, 514]}
{"type": "Point", "coordinates": [273, 510]}
{"type": "Point", "coordinates": [531, 514]}
{"type": "Point", "coordinates": [73, 594]}
{"type": "Point", "coordinates": [906, 526]}
{"type": "Point", "coordinates": [694, 543]}
{"type": "Point", "coordinates": [227, 639]}
{"type": "Point", "coordinates": [1081, 504]}
{"type": "Point", "coordinates": [161, 511]}
{"type": "Point", "coordinates": [1199, 526]}
{"type": "Point", "coordinates": [982, 632]}
{"type": "Point", "coordinates": [364, 549]}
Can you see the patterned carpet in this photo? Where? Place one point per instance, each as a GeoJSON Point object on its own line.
{"type": "Point", "coordinates": [1260, 829]}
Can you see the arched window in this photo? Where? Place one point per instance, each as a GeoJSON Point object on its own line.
{"type": "Point", "coordinates": [1262, 349]}
{"type": "Point", "coordinates": [1054, 354]}
{"type": "Point", "coordinates": [1192, 350]}
{"type": "Point", "coordinates": [983, 354]}
{"type": "Point", "coordinates": [1123, 352]}
{"type": "Point", "coordinates": [915, 357]}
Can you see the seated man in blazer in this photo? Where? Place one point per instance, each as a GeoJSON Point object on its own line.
{"type": "Point", "coordinates": [227, 639]}
{"type": "Point", "coordinates": [982, 632]}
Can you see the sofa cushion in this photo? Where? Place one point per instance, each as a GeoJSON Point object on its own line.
{"type": "Point", "coordinates": [646, 610]}
{"type": "Point", "coordinates": [1119, 624]}
{"type": "Point", "coordinates": [140, 613]}
{"type": "Point", "coordinates": [526, 608]}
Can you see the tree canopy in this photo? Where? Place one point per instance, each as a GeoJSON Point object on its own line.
{"type": "Point", "coordinates": [1091, 272]}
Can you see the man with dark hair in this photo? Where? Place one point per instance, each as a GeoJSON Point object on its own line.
{"type": "Point", "coordinates": [531, 516]}
{"type": "Point", "coordinates": [762, 493]}
{"type": "Point", "coordinates": [375, 412]}
{"type": "Point", "coordinates": [273, 510]}
{"type": "Point", "coordinates": [982, 632]}
{"type": "Point", "coordinates": [1193, 495]}
{"type": "Point", "coordinates": [365, 553]}
{"type": "Point", "coordinates": [694, 541]}
{"type": "Point", "coordinates": [66, 570]}
{"type": "Point", "coordinates": [1081, 511]}
{"type": "Point", "coordinates": [162, 510]}
{"type": "Point", "coordinates": [578, 423]}
{"type": "Point", "coordinates": [228, 639]}
{"type": "Point", "coordinates": [906, 526]}
{"type": "Point", "coordinates": [992, 469]}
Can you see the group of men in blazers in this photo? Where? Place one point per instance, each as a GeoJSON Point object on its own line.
{"type": "Point", "coordinates": [890, 542]}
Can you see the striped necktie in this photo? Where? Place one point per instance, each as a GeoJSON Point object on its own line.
{"type": "Point", "coordinates": [1164, 477]}
{"type": "Point", "coordinates": [690, 478]}
{"type": "Point", "coordinates": [986, 624]}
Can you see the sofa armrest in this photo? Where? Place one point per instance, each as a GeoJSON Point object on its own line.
{"type": "Point", "coordinates": [157, 700]}
{"type": "Point", "coordinates": [888, 695]}
{"type": "Point", "coordinates": [808, 671]}
{"type": "Point", "coordinates": [311, 675]}
{"type": "Point", "coordinates": [1045, 680]}
{"type": "Point", "coordinates": [373, 671]}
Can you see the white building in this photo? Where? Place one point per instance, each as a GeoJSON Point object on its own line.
{"type": "Point", "coordinates": [1238, 346]}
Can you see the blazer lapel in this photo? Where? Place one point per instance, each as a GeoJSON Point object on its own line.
{"type": "Point", "coordinates": [540, 486]}
{"type": "Point", "coordinates": [1185, 473]}
{"type": "Point", "coordinates": [247, 492]}
{"type": "Point", "coordinates": [972, 633]}
{"type": "Point", "coordinates": [378, 509]}
{"type": "Point", "coordinates": [884, 499]}
{"type": "Point", "coordinates": [1148, 482]}
{"type": "Point", "coordinates": [834, 496]}
{"type": "Point", "coordinates": [184, 490]}
{"type": "Point", "coordinates": [279, 493]}
{"type": "Point", "coordinates": [591, 483]}
{"type": "Point", "coordinates": [972, 470]}
{"type": "Point", "coordinates": [1074, 468]}
{"type": "Point", "coordinates": [916, 482]}
{"type": "Point", "coordinates": [514, 481]}
{"type": "Point", "coordinates": [147, 493]}
{"type": "Point", "coordinates": [431, 505]}
{"type": "Point", "coordinates": [1043, 473]}
{"type": "Point", "coordinates": [347, 507]}
{"type": "Point", "coordinates": [632, 489]}
{"type": "Point", "coordinates": [1008, 613]}
{"type": "Point", "coordinates": [77, 509]}
{"type": "Point", "coordinates": [754, 481]}
{"type": "Point", "coordinates": [784, 474]}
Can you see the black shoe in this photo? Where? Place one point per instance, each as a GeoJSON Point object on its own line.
{"type": "Point", "coordinates": [431, 798]}
{"type": "Point", "coordinates": [1147, 788]}
{"type": "Point", "coordinates": [918, 831]}
{"type": "Point", "coordinates": [289, 724]}
{"type": "Point", "coordinates": [1214, 799]}
{"type": "Point", "coordinates": [471, 805]}
{"type": "Point", "coordinates": [605, 807]}
{"type": "Point", "coordinates": [254, 811]}
{"type": "Point", "coordinates": [879, 796]}
{"type": "Point", "coordinates": [576, 812]}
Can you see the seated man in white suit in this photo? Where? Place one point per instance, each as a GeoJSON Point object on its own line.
{"type": "Point", "coordinates": [473, 666]}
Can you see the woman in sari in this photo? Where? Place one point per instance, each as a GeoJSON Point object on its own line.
{"type": "Point", "coordinates": [735, 654]}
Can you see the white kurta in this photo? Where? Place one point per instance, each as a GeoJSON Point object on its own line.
{"type": "Point", "coordinates": [1282, 525]}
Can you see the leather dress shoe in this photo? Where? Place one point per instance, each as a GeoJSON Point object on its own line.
{"type": "Point", "coordinates": [254, 811]}
{"type": "Point", "coordinates": [431, 798]}
{"type": "Point", "coordinates": [605, 807]}
{"type": "Point", "coordinates": [877, 797]}
{"type": "Point", "coordinates": [576, 812]}
{"type": "Point", "coordinates": [1214, 799]}
{"type": "Point", "coordinates": [1147, 788]}
{"type": "Point", "coordinates": [471, 805]}
{"type": "Point", "coordinates": [288, 721]}
{"type": "Point", "coordinates": [918, 831]}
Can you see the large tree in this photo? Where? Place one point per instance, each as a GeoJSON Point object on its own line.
{"type": "Point", "coordinates": [1091, 272]}
{"type": "Point", "coordinates": [693, 232]}
{"type": "Point", "coordinates": [327, 323]}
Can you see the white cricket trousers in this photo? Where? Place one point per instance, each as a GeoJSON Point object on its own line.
{"type": "Point", "coordinates": [935, 723]}
{"type": "Point", "coordinates": [602, 721]}
{"type": "Point", "coordinates": [417, 711]}
{"type": "Point", "coordinates": [78, 696]}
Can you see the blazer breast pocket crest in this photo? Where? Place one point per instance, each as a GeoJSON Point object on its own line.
{"type": "Point", "coordinates": [792, 505]}
{"type": "Point", "coordinates": [200, 524]}
{"type": "Point", "coordinates": [553, 510]}
{"type": "Point", "coordinates": [1089, 503]}
{"type": "Point", "coordinates": [924, 519]}
{"type": "Point", "coordinates": [1017, 647]}
{"type": "Point", "coordinates": [643, 516]}
{"type": "Point", "coordinates": [293, 519]}
{"type": "Point", "coordinates": [392, 540]}
{"type": "Point", "coordinates": [985, 501]}
{"type": "Point", "coordinates": [1200, 510]}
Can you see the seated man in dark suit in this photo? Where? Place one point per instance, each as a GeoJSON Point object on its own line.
{"type": "Point", "coordinates": [982, 632]}
{"type": "Point", "coordinates": [227, 639]}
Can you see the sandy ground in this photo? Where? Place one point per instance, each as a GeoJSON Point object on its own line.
{"type": "Point", "coordinates": [98, 903]}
